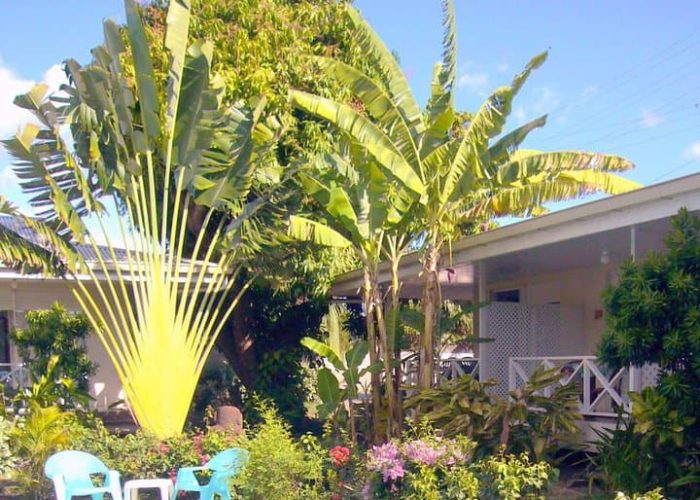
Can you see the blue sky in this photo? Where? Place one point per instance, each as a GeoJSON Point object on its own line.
{"type": "Point", "coordinates": [622, 77]}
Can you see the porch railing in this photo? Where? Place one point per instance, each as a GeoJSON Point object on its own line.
{"type": "Point", "coordinates": [14, 375]}
{"type": "Point", "coordinates": [447, 368]}
{"type": "Point", "coordinates": [602, 392]}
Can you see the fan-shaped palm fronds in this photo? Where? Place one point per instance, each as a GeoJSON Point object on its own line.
{"type": "Point", "coordinates": [159, 307]}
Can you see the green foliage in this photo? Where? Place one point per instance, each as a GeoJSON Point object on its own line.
{"type": "Point", "coordinates": [279, 467]}
{"type": "Point", "coordinates": [444, 168]}
{"type": "Point", "coordinates": [655, 494]}
{"type": "Point", "coordinates": [33, 440]}
{"type": "Point", "coordinates": [141, 455]}
{"type": "Point", "coordinates": [214, 389]}
{"type": "Point", "coordinates": [427, 466]}
{"type": "Point", "coordinates": [510, 476]}
{"type": "Point", "coordinates": [524, 422]}
{"type": "Point", "coordinates": [653, 316]}
{"type": "Point", "coordinates": [8, 461]}
{"type": "Point", "coordinates": [47, 389]}
{"type": "Point", "coordinates": [53, 345]}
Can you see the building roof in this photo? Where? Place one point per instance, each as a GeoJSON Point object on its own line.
{"type": "Point", "coordinates": [88, 253]}
{"type": "Point", "coordinates": [655, 202]}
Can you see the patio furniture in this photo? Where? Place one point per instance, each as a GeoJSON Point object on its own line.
{"type": "Point", "coordinates": [223, 467]}
{"type": "Point", "coordinates": [164, 487]}
{"type": "Point", "coordinates": [72, 471]}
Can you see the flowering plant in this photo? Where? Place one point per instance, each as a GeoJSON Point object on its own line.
{"type": "Point", "coordinates": [386, 459]}
{"type": "Point", "coordinates": [424, 467]}
{"type": "Point", "coordinates": [340, 455]}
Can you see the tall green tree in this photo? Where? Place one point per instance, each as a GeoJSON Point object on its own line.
{"type": "Point", "coordinates": [156, 156]}
{"type": "Point", "coordinates": [262, 48]}
{"type": "Point", "coordinates": [653, 317]}
{"type": "Point", "coordinates": [361, 209]}
{"type": "Point", "coordinates": [457, 165]}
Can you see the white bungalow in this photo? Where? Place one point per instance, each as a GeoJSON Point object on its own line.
{"type": "Point", "coordinates": [543, 279]}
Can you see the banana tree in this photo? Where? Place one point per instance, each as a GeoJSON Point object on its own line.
{"type": "Point", "coordinates": [362, 202]}
{"type": "Point", "coordinates": [459, 165]}
{"type": "Point", "coordinates": [158, 156]}
{"type": "Point", "coordinates": [346, 357]}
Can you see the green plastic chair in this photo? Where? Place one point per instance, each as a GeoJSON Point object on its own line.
{"type": "Point", "coordinates": [223, 467]}
{"type": "Point", "coordinates": [71, 473]}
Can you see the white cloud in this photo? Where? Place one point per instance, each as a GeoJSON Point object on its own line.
{"type": "Point", "coordinates": [548, 100]}
{"type": "Point", "coordinates": [11, 116]}
{"type": "Point", "coordinates": [693, 151]}
{"type": "Point", "coordinates": [11, 84]}
{"type": "Point", "coordinates": [8, 180]}
{"type": "Point", "coordinates": [651, 119]}
{"type": "Point", "coordinates": [502, 68]}
{"type": "Point", "coordinates": [520, 114]}
{"type": "Point", "coordinates": [473, 81]}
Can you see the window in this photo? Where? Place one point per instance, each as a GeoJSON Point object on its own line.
{"type": "Point", "coordinates": [4, 337]}
{"type": "Point", "coordinates": [506, 296]}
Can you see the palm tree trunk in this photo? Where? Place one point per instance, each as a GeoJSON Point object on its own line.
{"type": "Point", "coordinates": [431, 310]}
{"type": "Point", "coordinates": [372, 341]}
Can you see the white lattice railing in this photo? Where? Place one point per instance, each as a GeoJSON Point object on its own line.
{"type": "Point", "coordinates": [601, 393]}
{"type": "Point", "coordinates": [14, 375]}
{"type": "Point", "coordinates": [453, 368]}
{"type": "Point", "coordinates": [447, 368]}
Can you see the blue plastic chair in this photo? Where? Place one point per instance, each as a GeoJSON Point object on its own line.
{"type": "Point", "coordinates": [223, 467]}
{"type": "Point", "coordinates": [71, 473]}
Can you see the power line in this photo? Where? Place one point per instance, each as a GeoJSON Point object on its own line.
{"type": "Point", "coordinates": [674, 169]}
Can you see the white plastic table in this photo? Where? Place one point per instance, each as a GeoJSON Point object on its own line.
{"type": "Point", "coordinates": [131, 488]}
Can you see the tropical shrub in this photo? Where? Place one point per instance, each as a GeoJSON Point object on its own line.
{"type": "Point", "coordinates": [280, 467]}
{"type": "Point", "coordinates": [430, 467]}
{"type": "Point", "coordinates": [8, 460]}
{"type": "Point", "coordinates": [43, 432]}
{"type": "Point", "coordinates": [654, 494]}
{"type": "Point", "coordinates": [52, 347]}
{"type": "Point", "coordinates": [653, 316]}
{"type": "Point", "coordinates": [338, 381]}
{"type": "Point", "coordinates": [142, 455]}
{"type": "Point", "coordinates": [511, 476]}
{"type": "Point", "coordinates": [525, 422]}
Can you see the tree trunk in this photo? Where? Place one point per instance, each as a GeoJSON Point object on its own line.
{"type": "Point", "coordinates": [372, 341]}
{"type": "Point", "coordinates": [431, 310]}
{"type": "Point", "coordinates": [394, 309]}
{"type": "Point", "coordinates": [237, 344]}
{"type": "Point", "coordinates": [387, 354]}
{"type": "Point", "coordinates": [351, 416]}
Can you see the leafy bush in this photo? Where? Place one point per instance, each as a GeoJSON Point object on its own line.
{"type": "Point", "coordinates": [653, 316]}
{"type": "Point", "coordinates": [52, 346]}
{"type": "Point", "coordinates": [140, 455]}
{"type": "Point", "coordinates": [525, 422]}
{"type": "Point", "coordinates": [511, 476]}
{"type": "Point", "coordinates": [279, 467]}
{"type": "Point", "coordinates": [654, 494]}
{"type": "Point", "coordinates": [429, 467]}
{"type": "Point", "coordinates": [7, 459]}
{"type": "Point", "coordinates": [33, 440]}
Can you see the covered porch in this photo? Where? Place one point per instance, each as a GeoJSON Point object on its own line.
{"type": "Point", "coordinates": [542, 280]}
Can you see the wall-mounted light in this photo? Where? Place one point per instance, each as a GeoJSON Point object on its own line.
{"type": "Point", "coordinates": [605, 257]}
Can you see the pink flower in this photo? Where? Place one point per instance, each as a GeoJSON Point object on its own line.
{"type": "Point", "coordinates": [386, 459]}
{"type": "Point", "coordinates": [164, 449]}
{"type": "Point", "coordinates": [423, 453]}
